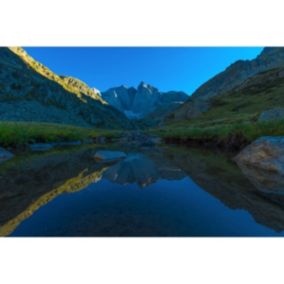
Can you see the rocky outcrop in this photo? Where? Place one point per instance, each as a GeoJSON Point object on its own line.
{"type": "Point", "coordinates": [145, 100]}
{"type": "Point", "coordinates": [82, 88]}
{"type": "Point", "coordinates": [272, 114]}
{"type": "Point", "coordinates": [266, 153]}
{"type": "Point", "coordinates": [29, 91]}
{"type": "Point", "coordinates": [238, 72]}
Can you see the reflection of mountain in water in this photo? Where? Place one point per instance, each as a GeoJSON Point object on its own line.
{"type": "Point", "coordinates": [29, 183]}
{"type": "Point", "coordinates": [220, 177]}
{"type": "Point", "coordinates": [143, 170]}
{"type": "Point", "coordinates": [265, 181]}
{"type": "Point", "coordinates": [33, 182]}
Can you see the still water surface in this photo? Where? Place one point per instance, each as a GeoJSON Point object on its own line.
{"type": "Point", "coordinates": [169, 191]}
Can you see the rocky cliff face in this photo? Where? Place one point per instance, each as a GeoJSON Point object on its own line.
{"type": "Point", "coordinates": [224, 82]}
{"type": "Point", "coordinates": [29, 91]}
{"type": "Point", "coordinates": [143, 100]}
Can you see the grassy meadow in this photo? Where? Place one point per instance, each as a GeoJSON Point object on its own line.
{"type": "Point", "coordinates": [233, 115]}
{"type": "Point", "coordinates": [248, 131]}
{"type": "Point", "coordinates": [14, 134]}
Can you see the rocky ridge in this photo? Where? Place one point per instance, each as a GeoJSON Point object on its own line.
{"type": "Point", "coordinates": [138, 103]}
{"type": "Point", "coordinates": [224, 82]}
{"type": "Point", "coordinates": [29, 91]}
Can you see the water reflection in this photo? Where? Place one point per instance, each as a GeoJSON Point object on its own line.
{"type": "Point", "coordinates": [33, 181]}
{"type": "Point", "coordinates": [143, 170]}
{"type": "Point", "coordinates": [222, 178]}
{"type": "Point", "coordinates": [30, 183]}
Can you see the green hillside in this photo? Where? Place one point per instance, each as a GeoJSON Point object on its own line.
{"type": "Point", "coordinates": [235, 113]}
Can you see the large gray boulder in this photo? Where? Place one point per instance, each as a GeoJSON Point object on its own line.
{"type": "Point", "coordinates": [266, 153]}
{"type": "Point", "coordinates": [5, 155]}
{"type": "Point", "coordinates": [272, 114]}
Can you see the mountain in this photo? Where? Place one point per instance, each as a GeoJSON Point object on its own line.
{"type": "Point", "coordinates": [248, 100]}
{"type": "Point", "coordinates": [29, 91]}
{"type": "Point", "coordinates": [226, 81]}
{"type": "Point", "coordinates": [145, 100]}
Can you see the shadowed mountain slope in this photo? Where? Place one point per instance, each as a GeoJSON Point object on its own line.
{"type": "Point", "coordinates": [29, 91]}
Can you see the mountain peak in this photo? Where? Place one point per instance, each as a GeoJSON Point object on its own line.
{"type": "Point", "coordinates": [147, 88]}
{"type": "Point", "coordinates": [143, 85]}
{"type": "Point", "coordinates": [139, 102]}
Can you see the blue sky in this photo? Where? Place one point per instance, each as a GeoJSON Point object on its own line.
{"type": "Point", "coordinates": [171, 68]}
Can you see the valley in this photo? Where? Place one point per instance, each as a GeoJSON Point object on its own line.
{"type": "Point", "coordinates": [65, 144]}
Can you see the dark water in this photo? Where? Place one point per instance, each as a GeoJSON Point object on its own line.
{"type": "Point", "coordinates": [169, 191]}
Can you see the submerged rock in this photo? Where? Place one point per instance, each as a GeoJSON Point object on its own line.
{"type": "Point", "coordinates": [48, 146]}
{"type": "Point", "coordinates": [5, 155]}
{"type": "Point", "coordinates": [41, 147]}
{"type": "Point", "coordinates": [272, 114]}
{"type": "Point", "coordinates": [68, 143]}
{"type": "Point", "coordinates": [266, 153]}
{"type": "Point", "coordinates": [109, 156]}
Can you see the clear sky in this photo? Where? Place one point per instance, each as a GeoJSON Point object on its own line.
{"type": "Point", "coordinates": [179, 69]}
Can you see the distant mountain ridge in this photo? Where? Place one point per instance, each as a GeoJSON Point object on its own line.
{"type": "Point", "coordinates": [29, 91]}
{"type": "Point", "coordinates": [137, 103]}
{"type": "Point", "coordinates": [224, 82]}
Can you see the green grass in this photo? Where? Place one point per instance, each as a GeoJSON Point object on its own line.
{"type": "Point", "coordinates": [222, 132]}
{"type": "Point", "coordinates": [234, 114]}
{"type": "Point", "coordinates": [21, 133]}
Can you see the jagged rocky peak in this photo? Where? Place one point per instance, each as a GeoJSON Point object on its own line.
{"type": "Point", "coordinates": [142, 87]}
{"type": "Point", "coordinates": [136, 103]}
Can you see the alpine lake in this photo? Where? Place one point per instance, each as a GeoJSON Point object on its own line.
{"type": "Point", "coordinates": [164, 191]}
